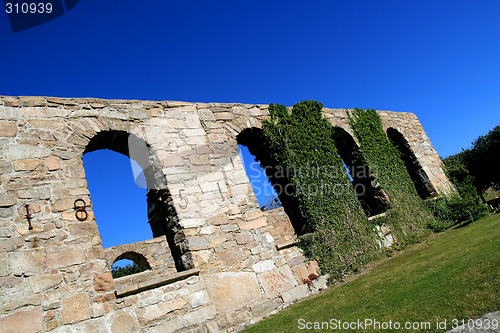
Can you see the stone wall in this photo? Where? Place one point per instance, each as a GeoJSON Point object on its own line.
{"type": "Point", "coordinates": [153, 254]}
{"type": "Point", "coordinates": [233, 263]}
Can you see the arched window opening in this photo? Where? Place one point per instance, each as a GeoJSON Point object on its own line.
{"type": "Point", "coordinates": [424, 187]}
{"type": "Point", "coordinates": [370, 194]}
{"type": "Point", "coordinates": [117, 202]}
{"type": "Point", "coordinates": [129, 263]}
{"type": "Point", "coordinates": [112, 199]}
{"type": "Point", "coordinates": [254, 140]}
{"type": "Point", "coordinates": [266, 195]}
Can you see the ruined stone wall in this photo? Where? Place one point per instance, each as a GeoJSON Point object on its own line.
{"type": "Point", "coordinates": [239, 264]}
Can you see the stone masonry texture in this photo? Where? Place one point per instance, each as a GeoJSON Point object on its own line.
{"type": "Point", "coordinates": [221, 266]}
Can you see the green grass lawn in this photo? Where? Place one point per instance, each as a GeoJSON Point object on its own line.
{"type": "Point", "coordinates": [451, 275]}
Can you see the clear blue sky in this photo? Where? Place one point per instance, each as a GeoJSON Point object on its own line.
{"type": "Point", "coordinates": [437, 59]}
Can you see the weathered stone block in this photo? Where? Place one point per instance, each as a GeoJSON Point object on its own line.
{"type": "Point", "coordinates": [66, 256]}
{"type": "Point", "coordinates": [63, 204]}
{"type": "Point", "coordinates": [264, 308]}
{"type": "Point", "coordinates": [277, 281]}
{"type": "Point", "coordinates": [87, 228]}
{"type": "Point", "coordinates": [223, 116]}
{"type": "Point", "coordinates": [47, 124]}
{"type": "Point", "coordinates": [252, 214]}
{"type": "Point", "coordinates": [104, 282]}
{"type": "Point", "coordinates": [26, 165]}
{"type": "Point", "coordinates": [198, 298]}
{"type": "Point", "coordinates": [100, 309]}
{"type": "Point", "coordinates": [53, 163]}
{"type": "Point", "coordinates": [206, 115]}
{"type": "Point", "coordinates": [233, 319]}
{"type": "Point", "coordinates": [191, 223]}
{"type": "Point", "coordinates": [244, 237]}
{"type": "Point", "coordinates": [193, 120]}
{"type": "Point", "coordinates": [254, 224]}
{"type": "Point", "coordinates": [11, 101]}
{"type": "Point", "coordinates": [302, 272]}
{"type": "Point", "coordinates": [36, 193]}
{"type": "Point", "coordinates": [124, 321]}
{"type": "Point", "coordinates": [41, 283]}
{"type": "Point", "coordinates": [8, 128]}
{"type": "Point", "coordinates": [218, 220]}
{"type": "Point", "coordinates": [25, 152]}
{"type": "Point", "coordinates": [207, 230]}
{"type": "Point", "coordinates": [229, 228]}
{"type": "Point", "coordinates": [151, 313]}
{"type": "Point", "coordinates": [196, 243]}
{"type": "Point", "coordinates": [231, 291]}
{"type": "Point", "coordinates": [27, 262]}
{"type": "Point", "coordinates": [194, 318]}
{"type": "Point", "coordinates": [263, 266]}
{"type": "Point", "coordinates": [22, 321]}
{"type": "Point", "coordinates": [7, 199]}
{"type": "Point", "coordinates": [295, 294]}
{"type": "Point", "coordinates": [32, 101]}
{"type": "Point", "coordinates": [231, 256]}
{"type": "Point", "coordinates": [75, 308]}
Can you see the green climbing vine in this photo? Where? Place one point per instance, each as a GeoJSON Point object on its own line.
{"type": "Point", "coordinates": [337, 232]}
{"type": "Point", "coordinates": [333, 228]}
{"type": "Point", "coordinates": [407, 215]}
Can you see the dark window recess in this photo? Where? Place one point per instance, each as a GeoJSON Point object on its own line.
{"type": "Point", "coordinates": [162, 215]}
{"type": "Point", "coordinates": [254, 139]}
{"type": "Point", "coordinates": [423, 185]}
{"type": "Point", "coordinates": [370, 194]}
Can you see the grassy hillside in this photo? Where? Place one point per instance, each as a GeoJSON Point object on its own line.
{"type": "Point", "coordinates": [451, 275]}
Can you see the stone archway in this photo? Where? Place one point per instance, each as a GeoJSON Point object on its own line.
{"type": "Point", "coordinates": [253, 138]}
{"type": "Point", "coordinates": [137, 258]}
{"type": "Point", "coordinates": [162, 216]}
{"type": "Point", "coordinates": [423, 185]}
{"type": "Point", "coordinates": [373, 199]}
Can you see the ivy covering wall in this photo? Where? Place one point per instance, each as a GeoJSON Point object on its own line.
{"type": "Point", "coordinates": [407, 215]}
{"type": "Point", "coordinates": [335, 231]}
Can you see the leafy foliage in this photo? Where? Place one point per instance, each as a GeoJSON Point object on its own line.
{"type": "Point", "coordinates": [442, 209]}
{"type": "Point", "coordinates": [459, 175]}
{"type": "Point", "coordinates": [482, 160]}
{"type": "Point", "coordinates": [338, 234]}
{"type": "Point", "coordinates": [129, 269]}
{"type": "Point", "coordinates": [407, 216]}
{"type": "Point", "coordinates": [466, 192]}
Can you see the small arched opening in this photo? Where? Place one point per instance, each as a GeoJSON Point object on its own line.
{"type": "Point", "coordinates": [370, 194]}
{"type": "Point", "coordinates": [254, 139]}
{"type": "Point", "coordinates": [129, 263]}
{"type": "Point", "coordinates": [423, 185]}
{"type": "Point", "coordinates": [149, 178]}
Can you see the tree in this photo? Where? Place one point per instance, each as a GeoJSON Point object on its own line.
{"type": "Point", "coordinates": [129, 269]}
{"type": "Point", "coordinates": [483, 160]}
{"type": "Point", "coordinates": [459, 175]}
